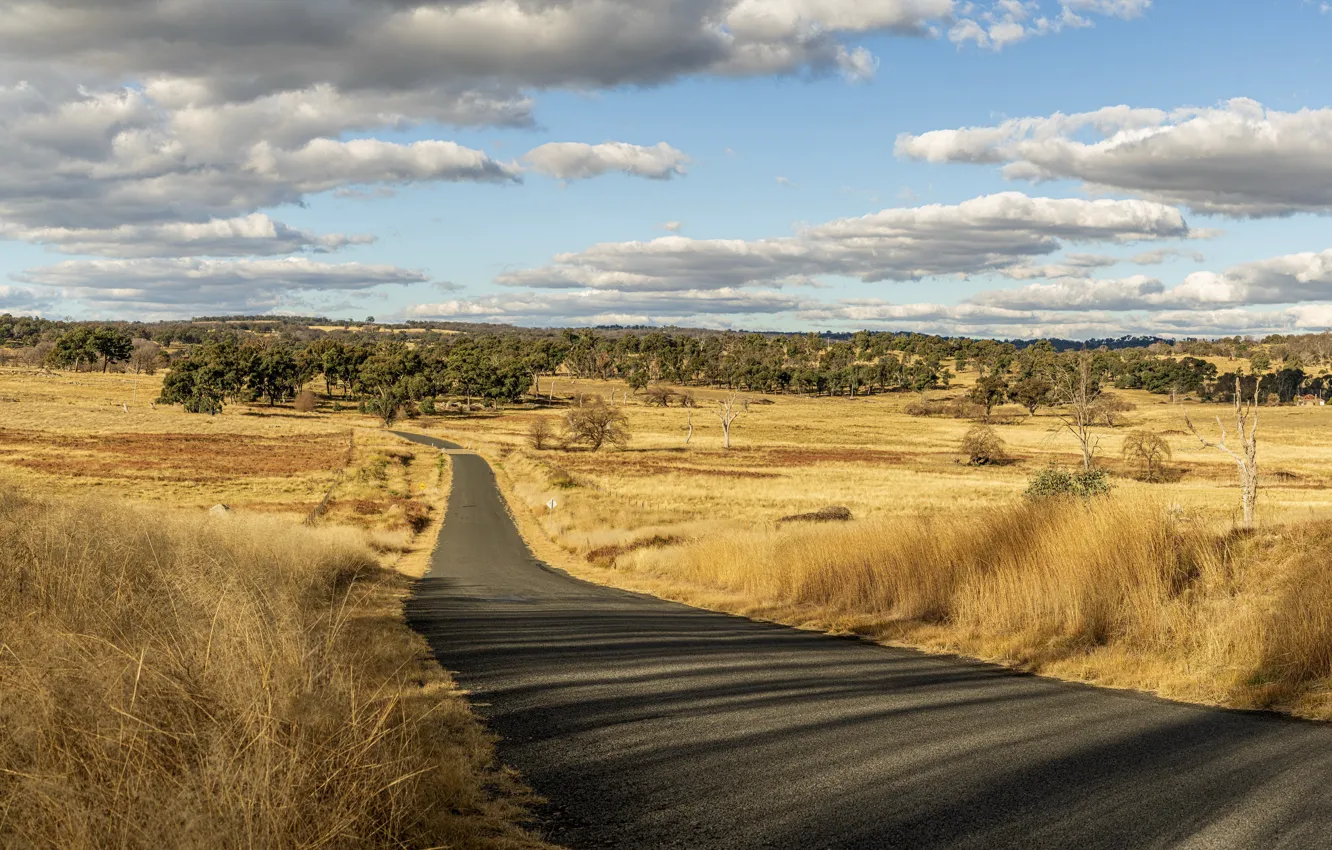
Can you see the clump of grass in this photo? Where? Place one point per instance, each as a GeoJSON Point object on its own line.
{"type": "Point", "coordinates": [176, 681]}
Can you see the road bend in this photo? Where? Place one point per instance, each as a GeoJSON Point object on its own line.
{"type": "Point", "coordinates": [648, 724]}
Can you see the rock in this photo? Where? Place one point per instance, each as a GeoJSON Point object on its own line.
{"type": "Point", "coordinates": [220, 510]}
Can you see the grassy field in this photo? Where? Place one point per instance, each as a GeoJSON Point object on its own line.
{"type": "Point", "coordinates": [191, 680]}
{"type": "Point", "coordinates": [1152, 590]}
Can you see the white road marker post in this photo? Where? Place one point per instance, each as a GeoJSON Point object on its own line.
{"type": "Point", "coordinates": [551, 506]}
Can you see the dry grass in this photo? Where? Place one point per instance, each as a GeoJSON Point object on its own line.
{"type": "Point", "coordinates": [1119, 593]}
{"type": "Point", "coordinates": [180, 681]}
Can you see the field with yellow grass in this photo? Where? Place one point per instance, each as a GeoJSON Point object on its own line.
{"type": "Point", "coordinates": [178, 678]}
{"type": "Point", "coordinates": [1152, 588]}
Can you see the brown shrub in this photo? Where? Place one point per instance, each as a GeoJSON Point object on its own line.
{"type": "Point", "coordinates": [983, 446]}
{"type": "Point", "coordinates": [540, 434]}
{"type": "Point", "coordinates": [305, 401]}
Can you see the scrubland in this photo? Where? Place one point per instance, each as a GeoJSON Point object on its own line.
{"type": "Point", "coordinates": [172, 678]}
{"type": "Point", "coordinates": [1152, 588]}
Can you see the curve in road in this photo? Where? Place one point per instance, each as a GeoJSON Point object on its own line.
{"type": "Point", "coordinates": [648, 724]}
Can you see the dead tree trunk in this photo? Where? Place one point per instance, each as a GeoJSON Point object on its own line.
{"type": "Point", "coordinates": [1246, 459]}
{"type": "Point", "coordinates": [728, 410]}
{"type": "Point", "coordinates": [690, 423]}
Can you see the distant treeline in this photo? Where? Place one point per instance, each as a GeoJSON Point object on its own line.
{"type": "Point", "coordinates": [214, 361]}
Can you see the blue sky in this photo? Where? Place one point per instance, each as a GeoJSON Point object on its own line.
{"type": "Point", "coordinates": [149, 181]}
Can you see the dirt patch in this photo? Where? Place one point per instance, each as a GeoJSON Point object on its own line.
{"type": "Point", "coordinates": [176, 457]}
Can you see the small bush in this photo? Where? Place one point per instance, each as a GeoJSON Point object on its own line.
{"type": "Point", "coordinates": [832, 513]}
{"type": "Point", "coordinates": [1055, 483]}
{"type": "Point", "coordinates": [982, 446]}
{"type": "Point", "coordinates": [305, 401]}
{"type": "Point", "coordinates": [687, 400]}
{"type": "Point", "coordinates": [560, 477]}
{"type": "Point", "coordinates": [428, 406]}
{"type": "Point", "coordinates": [540, 434]}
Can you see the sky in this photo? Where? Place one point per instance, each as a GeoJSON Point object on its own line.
{"type": "Point", "coordinates": [1052, 168]}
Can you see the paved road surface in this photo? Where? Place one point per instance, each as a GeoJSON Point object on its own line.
{"type": "Point", "coordinates": [654, 725]}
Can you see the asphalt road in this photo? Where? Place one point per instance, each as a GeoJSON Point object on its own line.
{"type": "Point", "coordinates": [653, 725]}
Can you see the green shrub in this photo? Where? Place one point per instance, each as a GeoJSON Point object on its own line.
{"type": "Point", "coordinates": [1055, 483]}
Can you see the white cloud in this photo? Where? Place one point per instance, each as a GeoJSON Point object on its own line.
{"type": "Point", "coordinates": [1236, 159]}
{"type": "Point", "coordinates": [672, 226]}
{"type": "Point", "coordinates": [986, 234]}
{"type": "Point", "coordinates": [251, 235]}
{"type": "Point", "coordinates": [163, 284]}
{"type": "Point", "coordinates": [1289, 279]}
{"type": "Point", "coordinates": [577, 161]}
{"type": "Point", "coordinates": [594, 307]}
{"type": "Point", "coordinates": [1006, 22]}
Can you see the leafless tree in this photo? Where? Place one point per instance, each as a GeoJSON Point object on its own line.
{"type": "Point", "coordinates": [539, 433]}
{"type": "Point", "coordinates": [689, 422]}
{"type": "Point", "coordinates": [597, 424]}
{"type": "Point", "coordinates": [1246, 459]}
{"type": "Point", "coordinates": [145, 356]}
{"type": "Point", "coordinates": [1077, 389]}
{"type": "Point", "coordinates": [659, 396]}
{"type": "Point", "coordinates": [1148, 451]}
{"type": "Point", "coordinates": [729, 410]}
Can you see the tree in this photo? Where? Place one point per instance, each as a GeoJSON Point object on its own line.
{"type": "Point", "coordinates": [983, 446]}
{"type": "Point", "coordinates": [1148, 452]}
{"type": "Point", "coordinates": [305, 401]}
{"type": "Point", "coordinates": [660, 396]}
{"type": "Point", "coordinates": [1111, 409]}
{"type": "Point", "coordinates": [1030, 392]}
{"type": "Point", "coordinates": [1077, 387]}
{"type": "Point", "coordinates": [539, 433]}
{"type": "Point", "coordinates": [597, 424]}
{"type": "Point", "coordinates": [1246, 459]}
{"type": "Point", "coordinates": [145, 357]}
{"type": "Point", "coordinates": [990, 390]}
{"type": "Point", "coordinates": [272, 372]}
{"type": "Point", "coordinates": [729, 410]}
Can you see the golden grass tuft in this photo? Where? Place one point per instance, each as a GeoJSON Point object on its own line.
{"type": "Point", "coordinates": [187, 681]}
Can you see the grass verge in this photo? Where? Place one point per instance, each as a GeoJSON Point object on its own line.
{"type": "Point", "coordinates": [185, 681]}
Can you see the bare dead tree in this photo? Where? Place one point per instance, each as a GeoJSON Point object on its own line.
{"type": "Point", "coordinates": [729, 410]}
{"type": "Point", "coordinates": [690, 424]}
{"type": "Point", "coordinates": [1078, 390]}
{"type": "Point", "coordinates": [1246, 459]}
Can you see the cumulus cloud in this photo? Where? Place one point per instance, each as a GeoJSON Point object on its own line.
{"type": "Point", "coordinates": [1237, 159]}
{"type": "Point", "coordinates": [103, 159]}
{"type": "Point", "coordinates": [21, 300]}
{"type": "Point", "coordinates": [985, 234]}
{"type": "Point", "coordinates": [252, 235]}
{"type": "Point", "coordinates": [577, 161]}
{"type": "Point", "coordinates": [1007, 22]}
{"type": "Point", "coordinates": [593, 307]}
{"type": "Point", "coordinates": [1290, 279]}
{"type": "Point", "coordinates": [1084, 265]}
{"type": "Point", "coordinates": [246, 49]}
{"type": "Point", "coordinates": [163, 284]}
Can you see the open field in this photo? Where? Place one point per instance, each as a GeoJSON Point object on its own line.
{"type": "Point", "coordinates": [699, 523]}
{"type": "Point", "coordinates": [188, 680]}
{"type": "Point", "coordinates": [1152, 590]}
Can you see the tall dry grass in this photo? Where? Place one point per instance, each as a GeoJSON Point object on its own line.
{"type": "Point", "coordinates": [171, 681]}
{"type": "Point", "coordinates": [1119, 592]}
